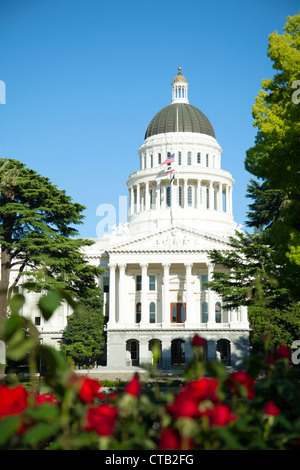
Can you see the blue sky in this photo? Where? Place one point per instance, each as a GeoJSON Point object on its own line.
{"type": "Point", "coordinates": [85, 77]}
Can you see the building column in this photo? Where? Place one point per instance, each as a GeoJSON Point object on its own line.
{"type": "Point", "coordinates": [147, 196]}
{"type": "Point", "coordinates": [189, 306]}
{"type": "Point", "coordinates": [157, 198]}
{"type": "Point", "coordinates": [131, 201]}
{"type": "Point", "coordinates": [185, 195]}
{"type": "Point", "coordinates": [112, 293]}
{"type": "Point", "coordinates": [211, 196]}
{"type": "Point", "coordinates": [244, 314]}
{"type": "Point", "coordinates": [227, 198]}
{"type": "Point", "coordinates": [220, 198]}
{"type": "Point", "coordinates": [166, 296]}
{"type": "Point", "coordinates": [145, 313]}
{"type": "Point", "coordinates": [122, 290]}
{"type": "Point", "coordinates": [211, 298]}
{"type": "Point", "coordinates": [138, 198]}
{"type": "Point", "coordinates": [198, 198]}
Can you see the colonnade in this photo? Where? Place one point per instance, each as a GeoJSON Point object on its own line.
{"type": "Point", "coordinates": [192, 314]}
{"type": "Point", "coordinates": [186, 193]}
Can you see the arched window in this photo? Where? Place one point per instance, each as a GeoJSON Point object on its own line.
{"type": "Point", "coordinates": [218, 312]}
{"type": "Point", "coordinates": [132, 350]}
{"type": "Point", "coordinates": [138, 312]}
{"type": "Point", "coordinates": [168, 196]}
{"type": "Point", "coordinates": [204, 312]}
{"type": "Point", "coordinates": [223, 351]}
{"type": "Point", "coordinates": [177, 352]}
{"type": "Point", "coordinates": [190, 196]}
{"type": "Point", "coordinates": [152, 312]}
{"type": "Point", "coordinates": [189, 158]}
{"type": "Point", "coordinates": [156, 349]}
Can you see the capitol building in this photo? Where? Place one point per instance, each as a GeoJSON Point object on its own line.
{"type": "Point", "coordinates": [157, 264]}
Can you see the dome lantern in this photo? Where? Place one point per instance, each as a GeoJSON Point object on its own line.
{"type": "Point", "coordinates": [179, 88]}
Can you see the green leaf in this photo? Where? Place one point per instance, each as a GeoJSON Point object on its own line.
{"type": "Point", "coordinates": [49, 303]}
{"type": "Point", "coordinates": [16, 303]}
{"type": "Point", "coordinates": [41, 432]}
{"type": "Point", "coordinates": [8, 427]}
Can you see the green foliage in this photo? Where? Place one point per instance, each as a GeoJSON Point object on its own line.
{"type": "Point", "coordinates": [281, 326]}
{"type": "Point", "coordinates": [275, 157]}
{"type": "Point", "coordinates": [38, 236]}
{"type": "Point", "coordinates": [83, 339]}
{"type": "Point", "coordinates": [250, 275]}
{"type": "Point", "coordinates": [212, 409]}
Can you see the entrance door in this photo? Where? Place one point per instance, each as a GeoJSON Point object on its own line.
{"type": "Point", "coordinates": [177, 352]}
{"type": "Point", "coordinates": [178, 313]}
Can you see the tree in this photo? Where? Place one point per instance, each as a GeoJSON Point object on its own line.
{"type": "Point", "coordinates": [83, 339]}
{"type": "Point", "coordinates": [275, 157]}
{"type": "Point", "coordinates": [250, 275]}
{"type": "Point", "coordinates": [38, 236]}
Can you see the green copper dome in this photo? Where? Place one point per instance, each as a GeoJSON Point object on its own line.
{"type": "Point", "coordinates": [179, 117]}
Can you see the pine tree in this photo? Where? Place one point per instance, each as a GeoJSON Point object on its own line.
{"type": "Point", "coordinates": [38, 236]}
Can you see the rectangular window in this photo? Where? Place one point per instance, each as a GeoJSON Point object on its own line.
{"type": "Point", "coordinates": [159, 158]}
{"type": "Point", "coordinates": [151, 161]}
{"type": "Point", "coordinates": [179, 158]}
{"type": "Point", "coordinates": [138, 282]}
{"type": "Point", "coordinates": [168, 196]}
{"type": "Point", "coordinates": [178, 313]}
{"type": "Point", "coordinates": [189, 158]}
{"type": "Point", "coordinates": [207, 159]}
{"type": "Point", "coordinates": [204, 279]}
{"type": "Point", "coordinates": [198, 157]}
{"type": "Point", "coordinates": [37, 321]}
{"type": "Point", "coordinates": [151, 282]}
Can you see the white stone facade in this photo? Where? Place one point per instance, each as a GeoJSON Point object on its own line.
{"type": "Point", "coordinates": [157, 265]}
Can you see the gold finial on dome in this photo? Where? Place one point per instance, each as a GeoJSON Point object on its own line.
{"type": "Point", "coordinates": [179, 77]}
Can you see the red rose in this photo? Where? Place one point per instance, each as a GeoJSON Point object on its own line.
{"type": "Point", "coordinates": [221, 415]}
{"type": "Point", "coordinates": [90, 389]}
{"type": "Point", "coordinates": [244, 379]}
{"type": "Point", "coordinates": [184, 405]}
{"type": "Point", "coordinates": [271, 409]}
{"type": "Point", "coordinates": [39, 399]}
{"type": "Point", "coordinates": [170, 439]}
{"type": "Point", "coordinates": [134, 386]}
{"type": "Point", "coordinates": [204, 389]}
{"type": "Point", "coordinates": [12, 400]}
{"type": "Point", "coordinates": [101, 419]}
{"type": "Point", "coordinates": [284, 351]}
{"type": "Point", "coordinates": [198, 342]}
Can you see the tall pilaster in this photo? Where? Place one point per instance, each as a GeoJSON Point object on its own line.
{"type": "Point", "coordinates": [145, 313]}
{"type": "Point", "coordinates": [211, 298]}
{"type": "Point", "coordinates": [166, 295]}
{"type": "Point", "coordinates": [112, 293]}
{"type": "Point", "coordinates": [122, 291]}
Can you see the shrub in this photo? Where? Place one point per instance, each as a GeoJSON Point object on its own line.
{"type": "Point", "coordinates": [254, 408]}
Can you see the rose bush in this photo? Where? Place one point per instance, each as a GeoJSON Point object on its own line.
{"type": "Point", "coordinates": [257, 407]}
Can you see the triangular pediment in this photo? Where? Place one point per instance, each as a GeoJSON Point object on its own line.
{"type": "Point", "coordinates": [173, 239]}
